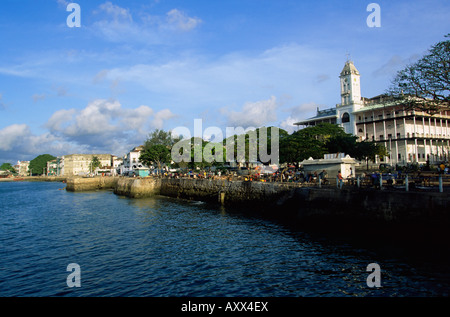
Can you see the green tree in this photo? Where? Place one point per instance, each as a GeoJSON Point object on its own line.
{"type": "Point", "coordinates": [247, 146]}
{"type": "Point", "coordinates": [161, 137]}
{"type": "Point", "coordinates": [95, 163]}
{"type": "Point", "coordinates": [38, 164]}
{"type": "Point", "coordinates": [326, 138]}
{"type": "Point", "coordinates": [157, 148]}
{"type": "Point", "coordinates": [309, 142]}
{"type": "Point", "coordinates": [368, 150]}
{"type": "Point", "coordinates": [7, 167]}
{"type": "Point", "coordinates": [425, 85]}
{"type": "Point", "coordinates": [159, 154]}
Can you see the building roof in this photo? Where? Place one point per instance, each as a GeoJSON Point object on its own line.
{"type": "Point", "coordinates": [376, 106]}
{"type": "Point", "coordinates": [349, 68]}
{"type": "Point", "coordinates": [321, 115]}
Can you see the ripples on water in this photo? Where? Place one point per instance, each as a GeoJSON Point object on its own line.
{"type": "Point", "coordinates": [166, 247]}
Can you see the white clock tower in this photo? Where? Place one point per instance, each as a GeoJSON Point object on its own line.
{"type": "Point", "coordinates": [350, 97]}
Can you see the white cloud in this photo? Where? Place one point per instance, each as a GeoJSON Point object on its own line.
{"type": "Point", "coordinates": [106, 125]}
{"type": "Point", "coordinates": [299, 113]}
{"type": "Point", "coordinates": [12, 135]}
{"type": "Point", "coordinates": [160, 117]}
{"type": "Point", "coordinates": [289, 69]}
{"type": "Point", "coordinates": [253, 114]}
{"type": "Point", "coordinates": [63, 3]}
{"type": "Point", "coordinates": [181, 21]}
{"type": "Point", "coordinates": [2, 104]}
{"type": "Point", "coordinates": [117, 24]}
{"type": "Point", "coordinates": [103, 126]}
{"type": "Point", "coordinates": [116, 12]}
{"type": "Point", "coordinates": [38, 97]}
{"type": "Point", "coordinates": [393, 65]}
{"type": "Point", "coordinates": [19, 143]}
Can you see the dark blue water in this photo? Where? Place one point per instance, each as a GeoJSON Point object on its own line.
{"type": "Point", "coordinates": [166, 247]}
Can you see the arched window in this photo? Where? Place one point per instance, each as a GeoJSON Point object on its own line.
{"type": "Point", "coordinates": [345, 118]}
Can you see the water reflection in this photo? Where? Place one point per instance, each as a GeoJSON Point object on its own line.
{"type": "Point", "coordinates": [167, 247]}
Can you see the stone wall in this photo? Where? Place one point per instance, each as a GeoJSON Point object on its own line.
{"type": "Point", "coordinates": [301, 203]}
{"type": "Point", "coordinates": [76, 184]}
{"type": "Point", "coordinates": [137, 187]}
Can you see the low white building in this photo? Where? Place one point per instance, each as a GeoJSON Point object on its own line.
{"type": "Point", "coordinates": [332, 164]}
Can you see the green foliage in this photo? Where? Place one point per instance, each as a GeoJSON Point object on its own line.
{"type": "Point", "coordinates": [425, 85]}
{"type": "Point", "coordinates": [309, 142]}
{"type": "Point", "coordinates": [293, 148]}
{"type": "Point", "coordinates": [95, 163]}
{"type": "Point", "coordinates": [325, 138]}
{"type": "Point", "coordinates": [38, 164]}
{"type": "Point", "coordinates": [161, 137]}
{"type": "Point", "coordinates": [246, 147]}
{"type": "Point", "coordinates": [158, 153]}
{"type": "Point", "coordinates": [7, 167]}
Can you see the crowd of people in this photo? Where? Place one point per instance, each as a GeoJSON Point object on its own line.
{"type": "Point", "coordinates": [298, 176]}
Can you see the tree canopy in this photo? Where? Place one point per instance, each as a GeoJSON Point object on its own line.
{"type": "Point", "coordinates": [158, 154]}
{"type": "Point", "coordinates": [95, 163]}
{"type": "Point", "coordinates": [255, 145]}
{"type": "Point", "coordinates": [325, 138]}
{"type": "Point", "coordinates": [38, 164]}
{"type": "Point", "coordinates": [292, 148]}
{"type": "Point", "coordinates": [161, 137]}
{"type": "Point", "coordinates": [425, 85]}
{"type": "Point", "coordinates": [7, 167]}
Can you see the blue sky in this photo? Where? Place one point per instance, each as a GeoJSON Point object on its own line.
{"type": "Point", "coordinates": [134, 66]}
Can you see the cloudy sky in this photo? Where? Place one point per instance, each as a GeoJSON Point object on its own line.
{"type": "Point", "coordinates": [135, 66]}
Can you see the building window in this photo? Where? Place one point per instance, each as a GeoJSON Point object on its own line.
{"type": "Point", "coordinates": [360, 130]}
{"type": "Point", "coordinates": [345, 118]}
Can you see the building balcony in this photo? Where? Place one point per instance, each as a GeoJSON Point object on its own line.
{"type": "Point", "coordinates": [408, 136]}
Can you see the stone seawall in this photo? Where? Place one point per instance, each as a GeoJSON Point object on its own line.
{"type": "Point", "coordinates": [137, 187]}
{"type": "Point", "coordinates": [286, 200]}
{"type": "Point", "coordinates": [78, 184]}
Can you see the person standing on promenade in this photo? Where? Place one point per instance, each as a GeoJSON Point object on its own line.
{"type": "Point", "coordinates": [350, 177]}
{"type": "Point", "coordinates": [340, 180]}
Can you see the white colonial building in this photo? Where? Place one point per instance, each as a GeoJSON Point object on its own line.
{"type": "Point", "coordinates": [131, 162]}
{"type": "Point", "coordinates": [410, 136]}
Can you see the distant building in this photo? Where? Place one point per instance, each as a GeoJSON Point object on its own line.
{"type": "Point", "coordinates": [22, 168]}
{"type": "Point", "coordinates": [52, 168]}
{"type": "Point", "coordinates": [116, 164]}
{"type": "Point", "coordinates": [332, 164]}
{"type": "Point", "coordinates": [410, 136]}
{"type": "Point", "coordinates": [131, 162]}
{"type": "Point", "coordinates": [80, 164]}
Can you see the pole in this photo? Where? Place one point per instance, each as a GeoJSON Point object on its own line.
{"type": "Point", "coordinates": [406, 183]}
{"type": "Point", "coordinates": [441, 187]}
